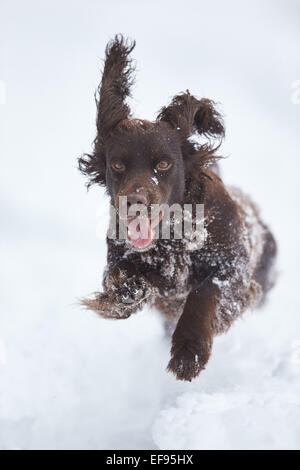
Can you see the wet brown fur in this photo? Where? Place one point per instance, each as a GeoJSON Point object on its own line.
{"type": "Point", "coordinates": [205, 289]}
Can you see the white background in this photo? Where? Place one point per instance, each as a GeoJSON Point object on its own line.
{"type": "Point", "coordinates": [67, 378]}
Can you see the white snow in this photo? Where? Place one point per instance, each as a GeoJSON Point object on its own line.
{"type": "Point", "coordinates": [71, 380]}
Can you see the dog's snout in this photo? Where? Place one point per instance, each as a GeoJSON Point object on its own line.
{"type": "Point", "coordinates": [137, 198]}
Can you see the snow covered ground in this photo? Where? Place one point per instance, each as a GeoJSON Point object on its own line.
{"type": "Point", "coordinates": [67, 378]}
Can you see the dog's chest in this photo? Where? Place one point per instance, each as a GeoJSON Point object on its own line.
{"type": "Point", "coordinates": [168, 266]}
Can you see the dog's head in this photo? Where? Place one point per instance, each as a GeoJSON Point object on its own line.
{"type": "Point", "coordinates": [149, 163]}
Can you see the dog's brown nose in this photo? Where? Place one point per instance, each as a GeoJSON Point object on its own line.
{"type": "Point", "coordinates": [136, 198]}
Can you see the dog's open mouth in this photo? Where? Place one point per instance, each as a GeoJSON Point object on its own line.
{"type": "Point", "coordinates": [141, 230]}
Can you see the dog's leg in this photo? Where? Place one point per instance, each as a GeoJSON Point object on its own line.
{"type": "Point", "coordinates": [193, 337]}
{"type": "Point", "coordinates": [125, 292]}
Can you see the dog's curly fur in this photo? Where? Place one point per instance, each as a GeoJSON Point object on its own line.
{"type": "Point", "coordinates": [200, 290]}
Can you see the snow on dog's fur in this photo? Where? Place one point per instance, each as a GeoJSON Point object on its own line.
{"type": "Point", "coordinates": [199, 290]}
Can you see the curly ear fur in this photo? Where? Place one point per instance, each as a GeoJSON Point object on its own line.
{"type": "Point", "coordinates": [111, 106]}
{"type": "Point", "coordinates": [186, 114]}
{"type": "Point", "coordinates": [189, 116]}
{"type": "Point", "coordinates": [115, 86]}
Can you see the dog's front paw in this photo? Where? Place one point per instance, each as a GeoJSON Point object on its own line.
{"type": "Point", "coordinates": [132, 292]}
{"type": "Point", "coordinates": [122, 297]}
{"type": "Point", "coordinates": [187, 365]}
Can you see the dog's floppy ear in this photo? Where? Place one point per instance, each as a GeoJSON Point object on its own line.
{"type": "Point", "coordinates": [111, 104]}
{"type": "Point", "coordinates": [188, 116]}
{"type": "Point", "coordinates": [115, 86]}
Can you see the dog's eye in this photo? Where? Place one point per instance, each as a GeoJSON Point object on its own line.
{"type": "Point", "coordinates": [118, 166]}
{"type": "Point", "coordinates": [163, 165]}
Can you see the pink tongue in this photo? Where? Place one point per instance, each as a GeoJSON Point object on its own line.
{"type": "Point", "coordinates": [140, 233]}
